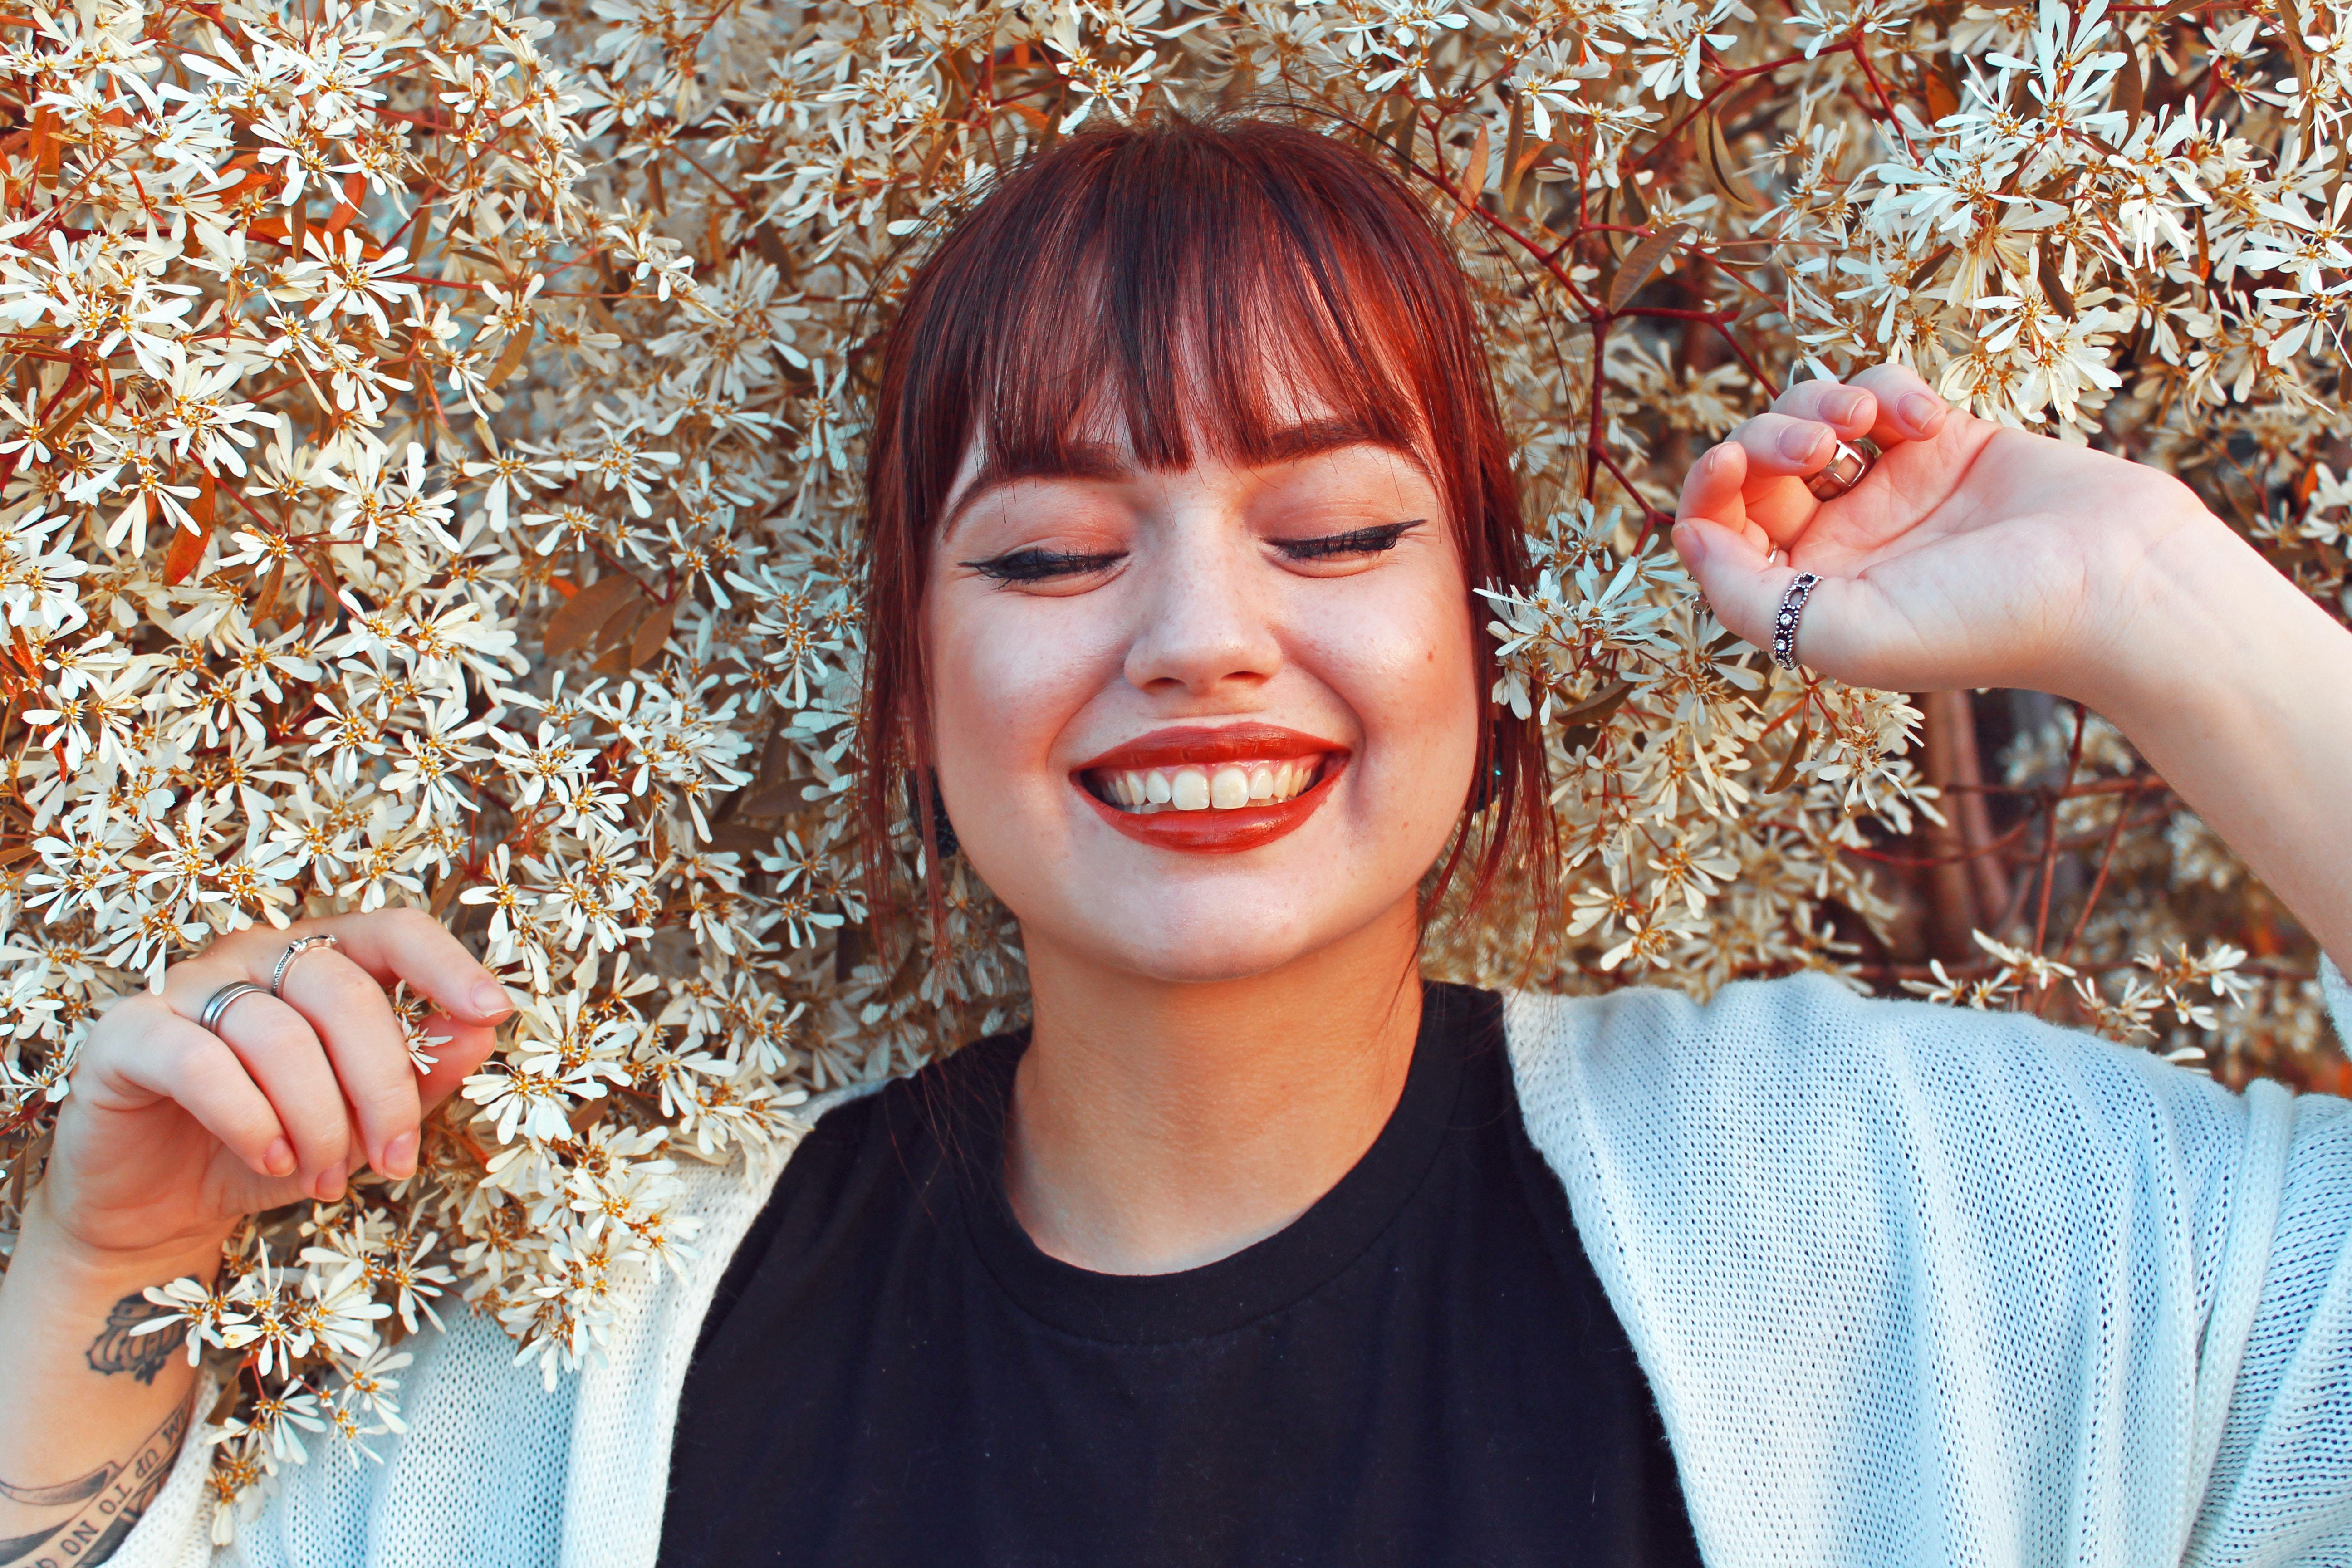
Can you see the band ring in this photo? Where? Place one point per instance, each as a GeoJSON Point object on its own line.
{"type": "Point", "coordinates": [222, 1000]}
{"type": "Point", "coordinates": [1784, 624]}
{"type": "Point", "coordinates": [1844, 470]}
{"type": "Point", "coordinates": [295, 950]}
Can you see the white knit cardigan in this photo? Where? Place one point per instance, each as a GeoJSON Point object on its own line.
{"type": "Point", "coordinates": [1913, 1286]}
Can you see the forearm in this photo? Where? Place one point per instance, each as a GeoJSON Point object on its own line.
{"type": "Point", "coordinates": [2238, 691]}
{"type": "Point", "coordinates": [90, 1414]}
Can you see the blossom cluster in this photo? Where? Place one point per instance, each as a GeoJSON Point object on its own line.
{"type": "Point", "coordinates": [427, 477]}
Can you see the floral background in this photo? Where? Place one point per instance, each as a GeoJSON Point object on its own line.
{"type": "Point", "coordinates": [428, 448]}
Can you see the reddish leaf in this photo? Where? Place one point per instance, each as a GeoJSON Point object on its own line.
{"type": "Point", "coordinates": [587, 612]}
{"type": "Point", "coordinates": [510, 361]}
{"type": "Point", "coordinates": [1641, 262]}
{"type": "Point", "coordinates": [612, 636]}
{"type": "Point", "coordinates": [1472, 180]}
{"type": "Point", "coordinates": [1798, 750]}
{"type": "Point", "coordinates": [270, 587]}
{"type": "Point", "coordinates": [645, 640]}
{"type": "Point", "coordinates": [188, 549]}
{"type": "Point", "coordinates": [1941, 99]}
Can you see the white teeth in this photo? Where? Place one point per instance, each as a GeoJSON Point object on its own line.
{"type": "Point", "coordinates": [1225, 787]}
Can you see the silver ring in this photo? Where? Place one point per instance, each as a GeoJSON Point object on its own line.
{"type": "Point", "coordinates": [1784, 625]}
{"type": "Point", "coordinates": [1844, 470]}
{"type": "Point", "coordinates": [227, 997]}
{"type": "Point", "coordinates": [295, 950]}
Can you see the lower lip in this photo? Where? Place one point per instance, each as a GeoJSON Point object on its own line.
{"type": "Point", "coordinates": [1219, 832]}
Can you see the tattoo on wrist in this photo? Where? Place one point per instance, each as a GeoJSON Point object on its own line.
{"type": "Point", "coordinates": [117, 1349]}
{"type": "Point", "coordinates": [103, 1505]}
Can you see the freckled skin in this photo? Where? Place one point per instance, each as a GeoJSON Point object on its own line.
{"type": "Point", "coordinates": [1204, 621]}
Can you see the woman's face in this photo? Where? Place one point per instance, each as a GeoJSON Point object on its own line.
{"type": "Point", "coordinates": [1194, 725]}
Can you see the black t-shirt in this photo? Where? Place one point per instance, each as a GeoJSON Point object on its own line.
{"type": "Point", "coordinates": [1421, 1370]}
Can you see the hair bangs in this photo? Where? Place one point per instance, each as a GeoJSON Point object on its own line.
{"type": "Point", "coordinates": [1196, 311]}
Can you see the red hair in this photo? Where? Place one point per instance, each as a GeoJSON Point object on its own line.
{"type": "Point", "coordinates": [1185, 277]}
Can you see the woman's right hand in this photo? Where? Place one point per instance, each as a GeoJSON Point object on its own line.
{"type": "Point", "coordinates": [172, 1132]}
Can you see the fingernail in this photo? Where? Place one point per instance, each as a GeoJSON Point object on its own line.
{"type": "Point", "coordinates": [278, 1158]}
{"type": "Point", "coordinates": [399, 1156]}
{"type": "Point", "coordinates": [1921, 412]}
{"type": "Point", "coordinates": [330, 1181]}
{"type": "Point", "coordinates": [1845, 406]}
{"type": "Point", "coordinates": [1800, 445]}
{"type": "Point", "coordinates": [1691, 545]}
{"type": "Point", "coordinates": [491, 1000]}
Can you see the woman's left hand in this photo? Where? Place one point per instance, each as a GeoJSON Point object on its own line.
{"type": "Point", "coordinates": [1971, 554]}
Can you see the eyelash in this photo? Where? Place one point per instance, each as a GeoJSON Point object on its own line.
{"type": "Point", "coordinates": [1355, 541]}
{"type": "Point", "coordinates": [1039, 566]}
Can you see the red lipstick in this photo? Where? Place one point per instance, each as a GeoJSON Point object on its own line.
{"type": "Point", "coordinates": [1204, 745]}
{"type": "Point", "coordinates": [1214, 832]}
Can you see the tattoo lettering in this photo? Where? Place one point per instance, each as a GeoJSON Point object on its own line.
{"type": "Point", "coordinates": [117, 1349]}
{"type": "Point", "coordinates": [111, 1497]}
{"type": "Point", "coordinates": [64, 1492]}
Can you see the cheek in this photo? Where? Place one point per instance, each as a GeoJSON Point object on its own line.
{"type": "Point", "coordinates": [1401, 660]}
{"type": "Point", "coordinates": [1005, 683]}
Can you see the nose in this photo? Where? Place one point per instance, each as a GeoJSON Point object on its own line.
{"type": "Point", "coordinates": [1207, 623]}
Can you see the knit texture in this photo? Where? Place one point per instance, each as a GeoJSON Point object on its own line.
{"type": "Point", "coordinates": [1912, 1284]}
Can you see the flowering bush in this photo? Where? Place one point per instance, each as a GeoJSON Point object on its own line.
{"type": "Point", "coordinates": [428, 477]}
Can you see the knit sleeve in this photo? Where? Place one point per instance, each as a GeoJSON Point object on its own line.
{"type": "Point", "coordinates": [1918, 1284]}
{"type": "Point", "coordinates": [493, 1467]}
{"type": "Point", "coordinates": [479, 1428]}
{"type": "Point", "coordinates": [2279, 1494]}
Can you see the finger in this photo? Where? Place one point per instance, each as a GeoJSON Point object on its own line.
{"type": "Point", "coordinates": [411, 945]}
{"type": "Point", "coordinates": [1712, 490]}
{"type": "Point", "coordinates": [1908, 408]}
{"type": "Point", "coordinates": [194, 1067]}
{"type": "Point", "coordinates": [1741, 588]}
{"type": "Point", "coordinates": [1847, 408]}
{"type": "Point", "coordinates": [463, 1049]}
{"type": "Point", "coordinates": [1780, 446]}
{"type": "Point", "coordinates": [363, 1039]}
{"type": "Point", "coordinates": [282, 1055]}
{"type": "Point", "coordinates": [1712, 487]}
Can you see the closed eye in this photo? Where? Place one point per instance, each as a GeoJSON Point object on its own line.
{"type": "Point", "coordinates": [1034, 565]}
{"type": "Point", "coordinates": [1355, 541]}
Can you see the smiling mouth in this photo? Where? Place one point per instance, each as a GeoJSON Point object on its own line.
{"type": "Point", "coordinates": [1220, 787]}
{"type": "Point", "coordinates": [1212, 789]}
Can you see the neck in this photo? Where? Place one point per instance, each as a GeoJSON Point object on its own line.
{"type": "Point", "coordinates": [1158, 1126]}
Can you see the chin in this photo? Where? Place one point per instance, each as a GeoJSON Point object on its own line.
{"type": "Point", "coordinates": [1235, 954]}
{"type": "Point", "coordinates": [1197, 929]}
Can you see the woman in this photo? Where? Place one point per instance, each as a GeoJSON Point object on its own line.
{"type": "Point", "coordinates": [1252, 1249]}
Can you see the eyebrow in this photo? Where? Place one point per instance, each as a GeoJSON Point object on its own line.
{"type": "Point", "coordinates": [1104, 463]}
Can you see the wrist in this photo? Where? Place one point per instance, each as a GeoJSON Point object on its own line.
{"type": "Point", "coordinates": [2190, 614]}
{"type": "Point", "coordinates": [80, 1268]}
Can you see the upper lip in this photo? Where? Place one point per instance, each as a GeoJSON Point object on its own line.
{"type": "Point", "coordinates": [1182, 743]}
